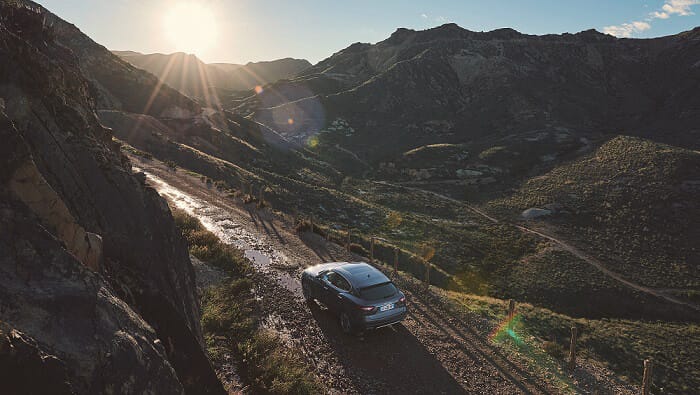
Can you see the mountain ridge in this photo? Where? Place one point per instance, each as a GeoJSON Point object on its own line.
{"type": "Point", "coordinates": [191, 76]}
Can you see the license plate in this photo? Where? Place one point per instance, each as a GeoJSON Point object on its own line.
{"type": "Point", "coordinates": [386, 307]}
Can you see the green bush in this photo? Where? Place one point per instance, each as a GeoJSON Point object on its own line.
{"type": "Point", "coordinates": [227, 310]}
{"type": "Point", "coordinates": [205, 246]}
{"type": "Point", "coordinates": [276, 369]}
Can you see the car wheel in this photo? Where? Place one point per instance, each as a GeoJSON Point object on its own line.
{"type": "Point", "coordinates": [345, 323]}
{"type": "Point", "coordinates": [306, 291]}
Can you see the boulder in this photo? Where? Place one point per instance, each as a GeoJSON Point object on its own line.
{"type": "Point", "coordinates": [533, 213]}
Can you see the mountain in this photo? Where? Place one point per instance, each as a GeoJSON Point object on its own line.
{"type": "Point", "coordinates": [191, 76]}
{"type": "Point", "coordinates": [597, 133]}
{"type": "Point", "coordinates": [97, 289]}
{"type": "Point", "coordinates": [451, 85]}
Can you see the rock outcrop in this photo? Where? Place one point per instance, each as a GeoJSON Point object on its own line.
{"type": "Point", "coordinates": [131, 323]}
{"type": "Point", "coordinates": [30, 186]}
{"type": "Point", "coordinates": [64, 325]}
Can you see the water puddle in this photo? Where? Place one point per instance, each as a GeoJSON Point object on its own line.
{"type": "Point", "coordinates": [219, 222]}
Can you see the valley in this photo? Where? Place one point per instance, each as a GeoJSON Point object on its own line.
{"type": "Point", "coordinates": [560, 172]}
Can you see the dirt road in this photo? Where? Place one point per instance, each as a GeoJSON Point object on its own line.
{"type": "Point", "coordinates": [434, 351]}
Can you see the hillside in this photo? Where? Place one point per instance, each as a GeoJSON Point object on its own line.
{"type": "Point", "coordinates": [97, 290]}
{"type": "Point", "coordinates": [191, 76]}
{"type": "Point", "coordinates": [448, 85]}
{"type": "Point", "coordinates": [633, 201]}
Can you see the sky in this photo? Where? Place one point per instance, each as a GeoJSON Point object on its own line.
{"type": "Point", "coordinates": [239, 31]}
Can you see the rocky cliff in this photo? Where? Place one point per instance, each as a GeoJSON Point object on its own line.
{"type": "Point", "coordinates": [97, 287]}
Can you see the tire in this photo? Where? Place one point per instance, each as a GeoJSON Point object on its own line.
{"type": "Point", "coordinates": [306, 291]}
{"type": "Point", "coordinates": [345, 323]}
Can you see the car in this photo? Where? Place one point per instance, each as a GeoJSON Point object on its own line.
{"type": "Point", "coordinates": [362, 296]}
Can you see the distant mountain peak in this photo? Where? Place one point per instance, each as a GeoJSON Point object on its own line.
{"type": "Point", "coordinates": [450, 26]}
{"type": "Point", "coordinates": [191, 76]}
{"type": "Point", "coordinates": [505, 33]}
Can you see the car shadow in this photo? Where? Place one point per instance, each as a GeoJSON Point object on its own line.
{"type": "Point", "coordinates": [387, 360]}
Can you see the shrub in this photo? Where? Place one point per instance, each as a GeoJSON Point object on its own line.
{"type": "Point", "coordinates": [171, 165]}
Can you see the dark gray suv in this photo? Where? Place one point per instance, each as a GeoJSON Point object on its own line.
{"type": "Point", "coordinates": [362, 296]}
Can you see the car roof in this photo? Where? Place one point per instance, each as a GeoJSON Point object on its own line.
{"type": "Point", "coordinates": [361, 274]}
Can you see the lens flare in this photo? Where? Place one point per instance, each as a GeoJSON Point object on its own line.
{"type": "Point", "coordinates": [258, 89]}
{"type": "Point", "coordinates": [290, 121]}
{"type": "Point", "coordinates": [312, 142]}
{"type": "Point", "coordinates": [505, 330]}
{"type": "Point", "coordinates": [513, 332]}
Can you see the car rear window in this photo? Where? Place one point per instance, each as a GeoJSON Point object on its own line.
{"type": "Point", "coordinates": [379, 291]}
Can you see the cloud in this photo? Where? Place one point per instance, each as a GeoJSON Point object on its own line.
{"type": "Point", "coordinates": [680, 7]}
{"type": "Point", "coordinates": [437, 19]}
{"type": "Point", "coordinates": [627, 29]}
{"type": "Point", "coordinates": [670, 8]}
{"type": "Point", "coordinates": [659, 15]}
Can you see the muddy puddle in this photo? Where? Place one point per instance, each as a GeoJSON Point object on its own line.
{"type": "Point", "coordinates": [218, 221]}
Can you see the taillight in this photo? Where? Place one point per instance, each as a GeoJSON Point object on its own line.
{"type": "Point", "coordinates": [402, 301]}
{"type": "Point", "coordinates": [368, 310]}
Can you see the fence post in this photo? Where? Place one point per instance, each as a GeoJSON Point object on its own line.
{"type": "Point", "coordinates": [328, 233]}
{"type": "Point", "coordinates": [250, 192]}
{"type": "Point", "coordinates": [572, 348]}
{"type": "Point", "coordinates": [396, 260]}
{"type": "Point", "coordinates": [347, 245]}
{"type": "Point", "coordinates": [311, 219]}
{"type": "Point", "coordinates": [511, 309]}
{"type": "Point", "coordinates": [646, 381]}
{"type": "Point", "coordinates": [261, 199]}
{"type": "Point", "coordinates": [427, 274]}
{"type": "Point", "coordinates": [371, 250]}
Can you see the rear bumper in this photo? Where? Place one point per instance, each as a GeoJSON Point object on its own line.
{"type": "Point", "coordinates": [369, 323]}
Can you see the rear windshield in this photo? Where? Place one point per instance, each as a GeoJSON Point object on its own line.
{"type": "Point", "coordinates": [379, 291]}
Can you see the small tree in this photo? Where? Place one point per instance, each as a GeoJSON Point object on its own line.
{"type": "Point", "coordinates": [171, 165]}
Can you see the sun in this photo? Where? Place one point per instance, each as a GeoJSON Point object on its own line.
{"type": "Point", "coordinates": [190, 26]}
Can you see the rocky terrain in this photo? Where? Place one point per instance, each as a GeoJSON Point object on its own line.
{"type": "Point", "coordinates": [189, 75]}
{"type": "Point", "coordinates": [98, 292]}
{"type": "Point", "coordinates": [558, 170]}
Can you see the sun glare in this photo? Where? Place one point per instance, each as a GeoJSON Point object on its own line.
{"type": "Point", "coordinates": [190, 26]}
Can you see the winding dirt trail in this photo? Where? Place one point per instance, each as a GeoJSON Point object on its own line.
{"type": "Point", "coordinates": [435, 350]}
{"type": "Point", "coordinates": [659, 293]}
